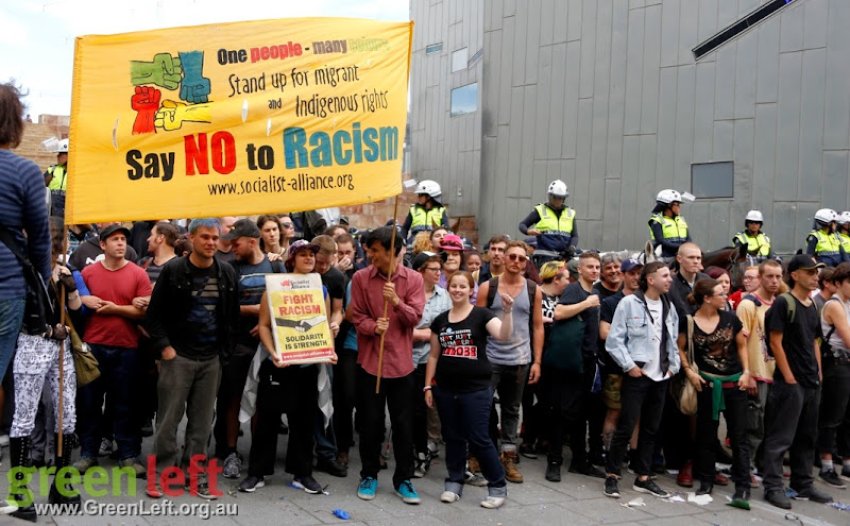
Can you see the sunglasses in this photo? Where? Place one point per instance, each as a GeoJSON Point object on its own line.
{"type": "Point", "coordinates": [517, 257]}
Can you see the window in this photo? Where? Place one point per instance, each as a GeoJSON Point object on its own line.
{"type": "Point", "coordinates": [739, 26]}
{"type": "Point", "coordinates": [459, 58]}
{"type": "Point", "coordinates": [713, 180]}
{"type": "Point", "coordinates": [430, 49]}
{"type": "Point", "coordinates": [464, 99]}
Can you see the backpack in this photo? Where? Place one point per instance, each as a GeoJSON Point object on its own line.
{"type": "Point", "coordinates": [825, 348]}
{"type": "Point", "coordinates": [791, 310]}
{"type": "Point", "coordinates": [494, 288]}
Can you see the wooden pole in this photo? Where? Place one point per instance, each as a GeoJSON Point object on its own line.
{"type": "Point", "coordinates": [60, 415]}
{"type": "Point", "coordinates": [386, 302]}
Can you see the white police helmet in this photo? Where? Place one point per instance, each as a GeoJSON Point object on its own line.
{"type": "Point", "coordinates": [668, 196]}
{"type": "Point", "coordinates": [826, 216]}
{"type": "Point", "coordinates": [430, 188]}
{"type": "Point", "coordinates": [754, 216]}
{"type": "Point", "coordinates": [558, 188]}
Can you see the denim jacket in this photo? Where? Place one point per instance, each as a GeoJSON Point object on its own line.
{"type": "Point", "coordinates": [631, 332]}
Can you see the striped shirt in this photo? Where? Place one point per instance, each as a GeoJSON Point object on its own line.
{"type": "Point", "coordinates": [23, 207]}
{"type": "Point", "coordinates": [202, 314]}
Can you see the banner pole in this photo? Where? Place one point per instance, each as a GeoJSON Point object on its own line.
{"type": "Point", "coordinates": [60, 415]}
{"type": "Point", "coordinates": [386, 302]}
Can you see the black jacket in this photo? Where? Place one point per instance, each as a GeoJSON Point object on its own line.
{"type": "Point", "coordinates": [171, 301]}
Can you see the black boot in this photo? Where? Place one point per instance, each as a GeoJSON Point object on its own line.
{"type": "Point", "coordinates": [19, 448]}
{"type": "Point", "coordinates": [55, 496]}
{"type": "Point", "coordinates": [705, 488]}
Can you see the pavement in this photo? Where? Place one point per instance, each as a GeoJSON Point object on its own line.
{"type": "Point", "coordinates": [576, 501]}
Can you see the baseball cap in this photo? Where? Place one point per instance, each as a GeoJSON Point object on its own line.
{"type": "Point", "coordinates": [803, 262]}
{"type": "Point", "coordinates": [630, 264]}
{"type": "Point", "coordinates": [113, 228]}
{"type": "Point", "coordinates": [242, 228]}
{"type": "Point", "coordinates": [420, 259]}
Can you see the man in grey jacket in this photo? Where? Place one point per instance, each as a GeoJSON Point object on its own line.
{"type": "Point", "coordinates": [642, 341]}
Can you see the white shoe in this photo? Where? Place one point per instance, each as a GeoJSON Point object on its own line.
{"type": "Point", "coordinates": [7, 507]}
{"type": "Point", "coordinates": [492, 503]}
{"type": "Point", "coordinates": [449, 497]}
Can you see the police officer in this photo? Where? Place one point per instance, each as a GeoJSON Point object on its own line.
{"type": "Point", "coordinates": [822, 243]}
{"type": "Point", "coordinates": [428, 212]}
{"type": "Point", "coordinates": [844, 231]}
{"type": "Point", "coordinates": [553, 222]}
{"type": "Point", "coordinates": [757, 243]}
{"type": "Point", "coordinates": [667, 228]}
{"type": "Point", "coordinates": [56, 180]}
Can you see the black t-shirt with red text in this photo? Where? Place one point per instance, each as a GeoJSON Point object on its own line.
{"type": "Point", "coordinates": [463, 366]}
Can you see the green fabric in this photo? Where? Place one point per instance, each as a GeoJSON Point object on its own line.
{"type": "Point", "coordinates": [563, 345]}
{"type": "Point", "coordinates": [718, 403]}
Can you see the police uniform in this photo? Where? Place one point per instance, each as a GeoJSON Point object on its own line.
{"type": "Point", "coordinates": [557, 230]}
{"type": "Point", "coordinates": [673, 230]}
{"type": "Point", "coordinates": [826, 248]}
{"type": "Point", "coordinates": [757, 246]}
{"type": "Point", "coordinates": [420, 219]}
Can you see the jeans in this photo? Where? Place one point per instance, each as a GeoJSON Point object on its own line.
{"type": "Point", "coordinates": [755, 421]}
{"type": "Point", "coordinates": [676, 434]}
{"type": "Point", "coordinates": [509, 381]}
{"type": "Point", "coordinates": [532, 413]}
{"type": "Point", "coordinates": [790, 423]}
{"type": "Point", "coordinates": [117, 382]}
{"type": "Point", "coordinates": [344, 392]}
{"type": "Point", "coordinates": [564, 396]}
{"type": "Point", "coordinates": [397, 395]}
{"type": "Point", "coordinates": [465, 418]}
{"type": "Point", "coordinates": [11, 319]}
{"type": "Point", "coordinates": [420, 412]}
{"type": "Point", "coordinates": [185, 387]}
{"type": "Point", "coordinates": [642, 399]}
{"type": "Point", "coordinates": [292, 389]}
{"type": "Point", "coordinates": [736, 422]}
{"type": "Point", "coordinates": [325, 435]}
{"type": "Point", "coordinates": [833, 407]}
{"type": "Point", "coordinates": [234, 372]}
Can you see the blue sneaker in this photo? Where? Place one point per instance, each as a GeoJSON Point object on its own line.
{"type": "Point", "coordinates": [407, 493]}
{"type": "Point", "coordinates": [367, 488]}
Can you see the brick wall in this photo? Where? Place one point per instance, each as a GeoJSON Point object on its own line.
{"type": "Point", "coordinates": [35, 132]}
{"type": "Point", "coordinates": [372, 215]}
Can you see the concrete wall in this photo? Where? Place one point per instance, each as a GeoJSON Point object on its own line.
{"type": "Point", "coordinates": [606, 95]}
{"type": "Point", "coordinates": [444, 148]}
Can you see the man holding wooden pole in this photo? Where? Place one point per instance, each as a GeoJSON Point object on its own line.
{"type": "Point", "coordinates": [386, 309]}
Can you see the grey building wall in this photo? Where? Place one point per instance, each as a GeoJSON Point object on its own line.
{"type": "Point", "coordinates": [446, 149]}
{"type": "Point", "coordinates": [607, 95]}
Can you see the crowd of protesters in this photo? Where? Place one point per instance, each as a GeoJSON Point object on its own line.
{"type": "Point", "coordinates": [478, 350]}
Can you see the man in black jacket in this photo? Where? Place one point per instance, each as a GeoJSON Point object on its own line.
{"type": "Point", "coordinates": [192, 319]}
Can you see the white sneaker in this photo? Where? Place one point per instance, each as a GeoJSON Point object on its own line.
{"type": "Point", "coordinates": [449, 497]}
{"type": "Point", "coordinates": [492, 503]}
{"type": "Point", "coordinates": [7, 507]}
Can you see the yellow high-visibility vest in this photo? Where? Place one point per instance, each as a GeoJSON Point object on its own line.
{"type": "Point", "coordinates": [756, 246]}
{"type": "Point", "coordinates": [673, 229]}
{"type": "Point", "coordinates": [549, 224]}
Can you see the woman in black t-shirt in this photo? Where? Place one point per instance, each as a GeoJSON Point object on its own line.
{"type": "Point", "coordinates": [720, 353]}
{"type": "Point", "coordinates": [458, 362]}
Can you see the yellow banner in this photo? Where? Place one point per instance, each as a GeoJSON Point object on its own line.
{"type": "Point", "coordinates": [237, 119]}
